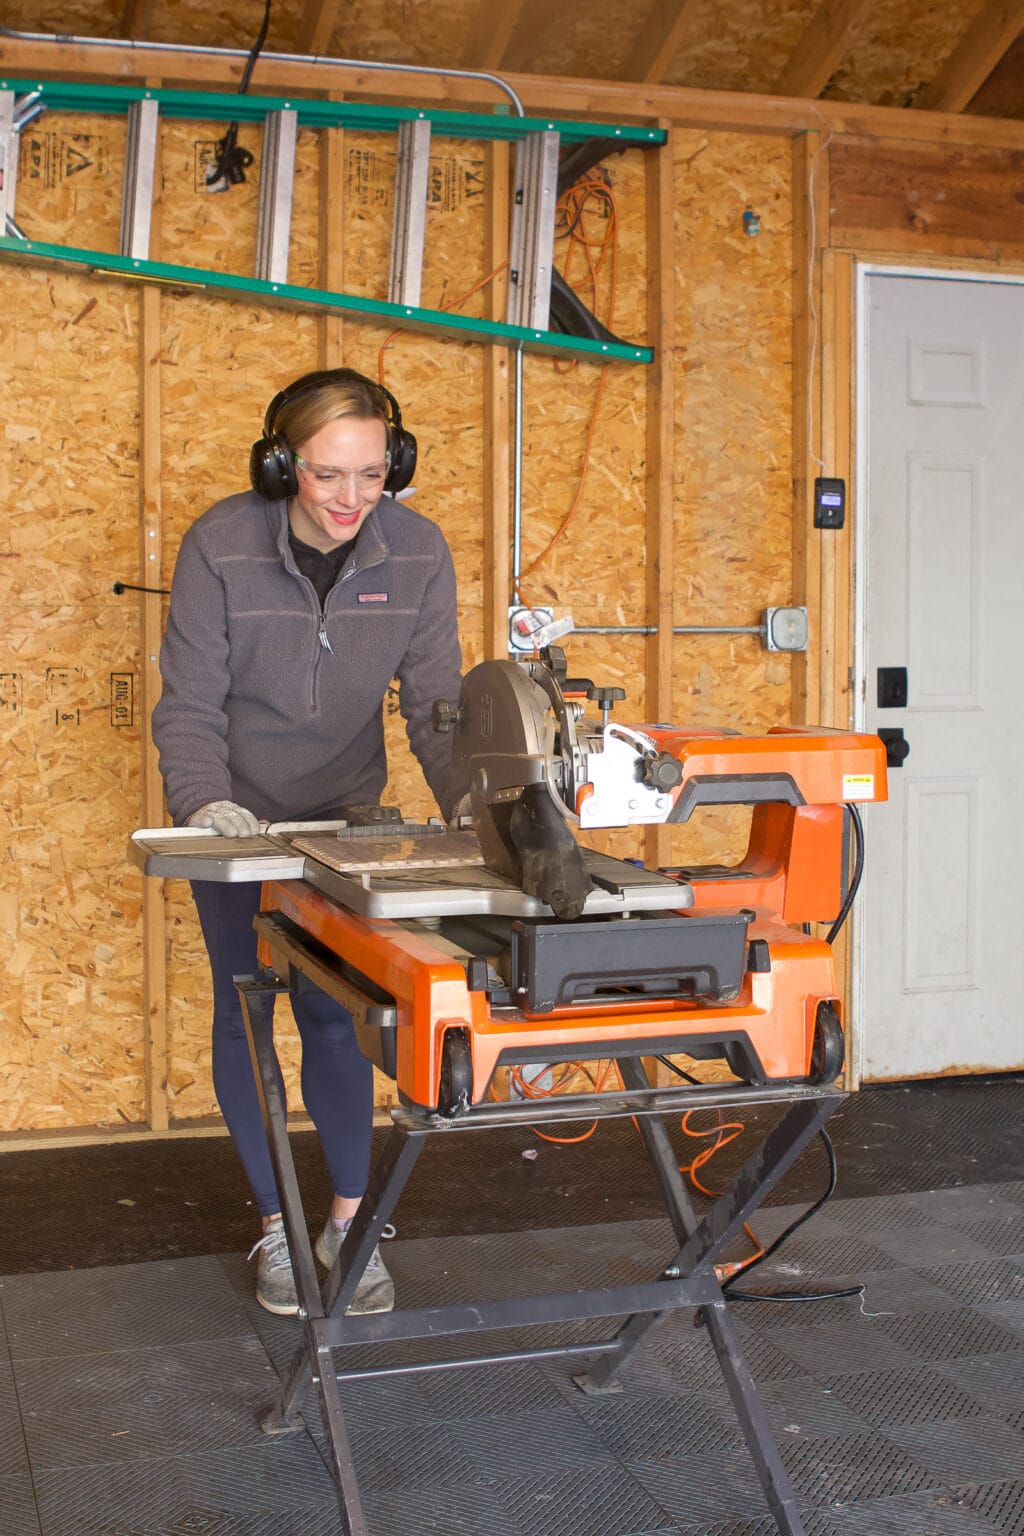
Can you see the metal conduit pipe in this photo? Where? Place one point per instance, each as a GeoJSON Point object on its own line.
{"type": "Point", "coordinates": [677, 629]}
{"type": "Point", "coordinates": [202, 50]}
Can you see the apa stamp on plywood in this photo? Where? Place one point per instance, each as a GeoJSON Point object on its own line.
{"type": "Point", "coordinates": [11, 701]}
{"type": "Point", "coordinates": [61, 157]}
{"type": "Point", "coordinates": [452, 180]}
{"type": "Point", "coordinates": [62, 693]}
{"type": "Point", "coordinates": [122, 699]}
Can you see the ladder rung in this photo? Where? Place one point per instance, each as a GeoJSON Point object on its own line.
{"type": "Point", "coordinates": [405, 282]}
{"type": "Point", "coordinates": [532, 239]}
{"type": "Point", "coordinates": [139, 174]}
{"type": "Point", "coordinates": [277, 175]}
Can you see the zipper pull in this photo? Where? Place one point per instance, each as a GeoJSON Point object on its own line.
{"type": "Point", "coordinates": [322, 635]}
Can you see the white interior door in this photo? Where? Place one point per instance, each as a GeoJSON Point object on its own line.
{"type": "Point", "coordinates": [940, 931]}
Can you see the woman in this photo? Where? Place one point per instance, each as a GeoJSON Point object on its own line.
{"type": "Point", "coordinates": [293, 606]}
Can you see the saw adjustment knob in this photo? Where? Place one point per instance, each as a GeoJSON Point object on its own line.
{"type": "Point", "coordinates": [444, 715]}
{"type": "Point", "coordinates": [604, 698]}
{"type": "Point", "coordinates": [663, 771]}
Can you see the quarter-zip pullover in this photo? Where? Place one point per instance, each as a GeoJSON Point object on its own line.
{"type": "Point", "coordinates": [276, 702]}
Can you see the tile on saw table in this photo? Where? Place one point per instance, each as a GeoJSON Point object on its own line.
{"type": "Point", "coordinates": [128, 1306]}
{"type": "Point", "coordinates": [1000, 1504]}
{"type": "Point", "coordinates": [130, 1405]}
{"type": "Point", "coordinates": [278, 1488]}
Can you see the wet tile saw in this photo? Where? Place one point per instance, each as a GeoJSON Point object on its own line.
{"type": "Point", "coordinates": [508, 941]}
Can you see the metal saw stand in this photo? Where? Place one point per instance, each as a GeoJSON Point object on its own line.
{"type": "Point", "coordinates": [688, 1278]}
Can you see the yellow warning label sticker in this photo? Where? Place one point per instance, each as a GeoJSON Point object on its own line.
{"type": "Point", "coordinates": [858, 786]}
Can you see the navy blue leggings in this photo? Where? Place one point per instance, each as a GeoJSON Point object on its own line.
{"type": "Point", "coordinates": [337, 1079]}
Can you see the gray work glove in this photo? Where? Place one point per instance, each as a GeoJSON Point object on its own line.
{"type": "Point", "coordinates": [225, 817]}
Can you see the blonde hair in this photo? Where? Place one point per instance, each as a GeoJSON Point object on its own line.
{"type": "Point", "coordinates": [343, 392]}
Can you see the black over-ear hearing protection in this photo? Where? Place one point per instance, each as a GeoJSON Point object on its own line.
{"type": "Point", "coordinates": [272, 461]}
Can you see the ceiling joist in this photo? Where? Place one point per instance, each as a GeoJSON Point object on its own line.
{"type": "Point", "coordinates": [317, 28]}
{"type": "Point", "coordinates": [136, 18]}
{"type": "Point", "coordinates": [992, 32]}
{"type": "Point", "coordinates": [492, 32]}
{"type": "Point", "coordinates": [659, 40]}
{"type": "Point", "coordinates": [820, 50]}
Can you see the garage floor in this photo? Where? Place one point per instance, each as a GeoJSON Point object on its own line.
{"type": "Point", "coordinates": [133, 1358]}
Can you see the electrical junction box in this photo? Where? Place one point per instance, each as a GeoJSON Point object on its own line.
{"type": "Point", "coordinates": [785, 629]}
{"type": "Point", "coordinates": [530, 629]}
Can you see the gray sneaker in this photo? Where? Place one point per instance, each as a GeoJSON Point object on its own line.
{"type": "Point", "coordinates": [376, 1289]}
{"type": "Point", "coordinates": [275, 1283]}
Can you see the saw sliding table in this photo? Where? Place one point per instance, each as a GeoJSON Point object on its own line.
{"type": "Point", "coordinates": [687, 1279]}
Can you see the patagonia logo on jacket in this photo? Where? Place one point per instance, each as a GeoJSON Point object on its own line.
{"type": "Point", "coordinates": [373, 597]}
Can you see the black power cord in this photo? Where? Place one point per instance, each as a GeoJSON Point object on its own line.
{"type": "Point", "coordinates": [858, 869]}
{"type": "Point", "coordinates": [776, 1244]}
{"type": "Point", "coordinates": [232, 161]}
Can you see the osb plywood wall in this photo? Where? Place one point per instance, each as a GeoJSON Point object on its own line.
{"type": "Point", "coordinates": [72, 1043]}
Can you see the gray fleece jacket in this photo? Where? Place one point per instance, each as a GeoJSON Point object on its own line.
{"type": "Point", "coordinates": [278, 707]}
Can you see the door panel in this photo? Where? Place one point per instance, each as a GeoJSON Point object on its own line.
{"type": "Point", "coordinates": [940, 954]}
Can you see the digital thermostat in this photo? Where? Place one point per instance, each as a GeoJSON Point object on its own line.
{"type": "Point", "coordinates": [829, 503]}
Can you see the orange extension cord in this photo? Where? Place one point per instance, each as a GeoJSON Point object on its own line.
{"type": "Point", "coordinates": [724, 1132]}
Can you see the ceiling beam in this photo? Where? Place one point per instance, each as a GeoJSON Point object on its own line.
{"type": "Point", "coordinates": [995, 28]}
{"type": "Point", "coordinates": [820, 50]}
{"type": "Point", "coordinates": [659, 40]}
{"type": "Point", "coordinates": [317, 25]}
{"type": "Point", "coordinates": [492, 32]}
{"type": "Point", "coordinates": [611, 101]}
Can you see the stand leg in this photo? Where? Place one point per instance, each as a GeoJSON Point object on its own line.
{"type": "Point", "coordinates": [253, 996]}
{"type": "Point", "coordinates": [313, 1360]}
{"type": "Point", "coordinates": [387, 1180]}
{"type": "Point", "coordinates": [353, 1521]}
{"type": "Point", "coordinates": [700, 1245]}
{"type": "Point", "coordinates": [602, 1375]}
{"type": "Point", "coordinates": [746, 1402]}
